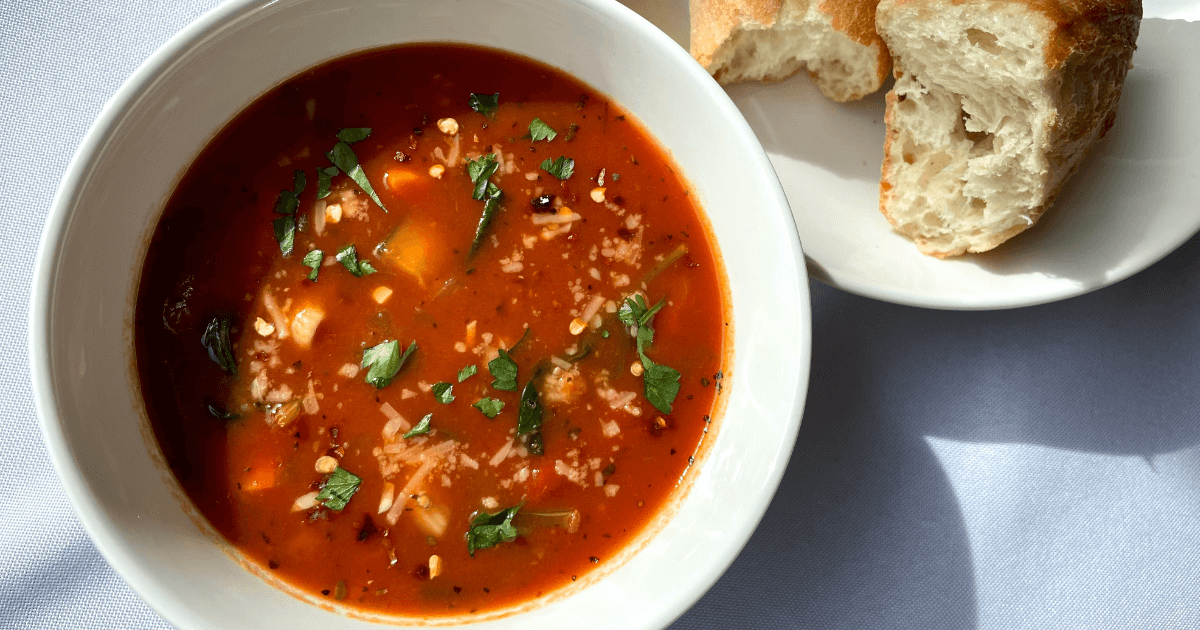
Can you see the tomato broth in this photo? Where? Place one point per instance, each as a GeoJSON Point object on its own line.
{"type": "Point", "coordinates": [495, 390]}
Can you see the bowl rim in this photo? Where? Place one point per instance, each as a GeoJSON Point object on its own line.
{"type": "Point", "coordinates": [94, 144]}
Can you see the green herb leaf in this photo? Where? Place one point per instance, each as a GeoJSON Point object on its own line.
{"type": "Point", "coordinates": [289, 200]}
{"type": "Point", "coordinates": [616, 176]}
{"type": "Point", "coordinates": [338, 489]}
{"type": "Point", "coordinates": [604, 333]}
{"type": "Point", "coordinates": [530, 417]}
{"type": "Point", "coordinates": [539, 130]}
{"type": "Point", "coordinates": [286, 202]}
{"type": "Point", "coordinates": [504, 372]}
{"type": "Point", "coordinates": [350, 135]}
{"type": "Point", "coordinates": [344, 158]}
{"type": "Point", "coordinates": [220, 413]}
{"type": "Point", "coordinates": [467, 372]}
{"type": "Point", "coordinates": [490, 208]}
{"type": "Point", "coordinates": [660, 384]}
{"type": "Point", "coordinates": [634, 311]}
{"type": "Point", "coordinates": [298, 182]}
{"type": "Point", "coordinates": [561, 167]}
{"type": "Point", "coordinates": [313, 260]}
{"type": "Point", "coordinates": [489, 530]}
{"type": "Point", "coordinates": [571, 131]}
{"type": "Point", "coordinates": [216, 340]}
{"type": "Point", "coordinates": [490, 407]}
{"type": "Point", "coordinates": [479, 171]}
{"type": "Point", "coordinates": [324, 177]}
{"type": "Point", "coordinates": [421, 429]}
{"type": "Point", "coordinates": [349, 259]}
{"type": "Point", "coordinates": [285, 234]}
{"type": "Point", "coordinates": [384, 362]}
{"type": "Point", "coordinates": [485, 104]}
{"type": "Point", "coordinates": [443, 392]}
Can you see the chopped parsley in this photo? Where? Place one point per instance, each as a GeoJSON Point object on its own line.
{"type": "Point", "coordinates": [383, 362]}
{"type": "Point", "coordinates": [616, 176]}
{"type": "Point", "coordinates": [285, 234]}
{"type": "Point", "coordinates": [504, 372]}
{"type": "Point", "coordinates": [539, 130]}
{"type": "Point", "coordinates": [349, 259]}
{"type": "Point", "coordinates": [350, 135]}
{"type": "Point", "coordinates": [443, 392]}
{"type": "Point", "coordinates": [489, 407]}
{"type": "Point", "coordinates": [343, 157]}
{"type": "Point", "coordinates": [561, 167]}
{"type": "Point", "coordinates": [489, 530]}
{"type": "Point", "coordinates": [571, 131]}
{"type": "Point", "coordinates": [324, 177]}
{"type": "Point", "coordinates": [313, 260]}
{"type": "Point", "coordinates": [529, 420]}
{"type": "Point", "coordinates": [467, 372]}
{"type": "Point", "coordinates": [480, 170]}
{"type": "Point", "coordinates": [421, 429]}
{"type": "Point", "coordinates": [485, 104]}
{"type": "Point", "coordinates": [338, 489]}
{"type": "Point", "coordinates": [216, 340]}
{"type": "Point", "coordinates": [220, 413]}
{"type": "Point", "coordinates": [660, 383]}
{"type": "Point", "coordinates": [289, 200]}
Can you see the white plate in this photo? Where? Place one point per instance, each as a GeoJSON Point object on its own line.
{"type": "Point", "coordinates": [1133, 201]}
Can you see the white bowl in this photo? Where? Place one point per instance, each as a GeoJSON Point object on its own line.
{"type": "Point", "coordinates": [113, 192]}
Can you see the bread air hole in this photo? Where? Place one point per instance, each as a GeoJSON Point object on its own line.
{"type": "Point", "coordinates": [984, 41]}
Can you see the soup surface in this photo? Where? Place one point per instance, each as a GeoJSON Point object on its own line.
{"type": "Point", "coordinates": [431, 330]}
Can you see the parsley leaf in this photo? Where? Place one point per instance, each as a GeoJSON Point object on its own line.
{"type": "Point", "coordinates": [616, 177]}
{"type": "Point", "coordinates": [285, 233]}
{"type": "Point", "coordinates": [489, 407]}
{"type": "Point", "coordinates": [344, 158]}
{"type": "Point", "coordinates": [350, 135]}
{"type": "Point", "coordinates": [443, 392]}
{"type": "Point", "coordinates": [421, 429]}
{"type": "Point", "coordinates": [504, 372]}
{"type": "Point", "coordinates": [289, 200]}
{"type": "Point", "coordinates": [220, 413]}
{"type": "Point", "coordinates": [660, 383]}
{"type": "Point", "coordinates": [489, 530]}
{"type": "Point", "coordinates": [479, 171]}
{"type": "Point", "coordinates": [216, 340]}
{"type": "Point", "coordinates": [349, 259]}
{"type": "Point", "coordinates": [539, 130]}
{"type": "Point", "coordinates": [338, 489]}
{"type": "Point", "coordinates": [561, 167]}
{"type": "Point", "coordinates": [324, 177]}
{"type": "Point", "coordinates": [485, 104]}
{"type": "Point", "coordinates": [286, 202]}
{"type": "Point", "coordinates": [530, 418]}
{"type": "Point", "coordinates": [634, 311]}
{"type": "Point", "coordinates": [314, 259]}
{"type": "Point", "coordinates": [384, 362]}
{"type": "Point", "coordinates": [490, 208]}
{"type": "Point", "coordinates": [467, 372]}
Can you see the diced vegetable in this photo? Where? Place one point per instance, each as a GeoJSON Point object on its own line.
{"type": "Point", "coordinates": [415, 251]}
{"type": "Point", "coordinates": [304, 324]}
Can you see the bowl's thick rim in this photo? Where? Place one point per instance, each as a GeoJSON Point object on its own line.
{"type": "Point", "coordinates": [93, 146]}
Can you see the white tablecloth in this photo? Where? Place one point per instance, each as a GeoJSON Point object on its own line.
{"type": "Point", "coordinates": [1036, 468]}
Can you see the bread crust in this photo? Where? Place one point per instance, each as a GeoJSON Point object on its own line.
{"type": "Point", "coordinates": [715, 23]}
{"type": "Point", "coordinates": [1088, 52]}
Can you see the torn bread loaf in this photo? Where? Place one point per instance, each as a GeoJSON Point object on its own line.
{"type": "Point", "coordinates": [995, 104]}
{"type": "Point", "coordinates": [770, 40]}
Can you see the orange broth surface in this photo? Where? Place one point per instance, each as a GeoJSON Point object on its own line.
{"type": "Point", "coordinates": [544, 286]}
